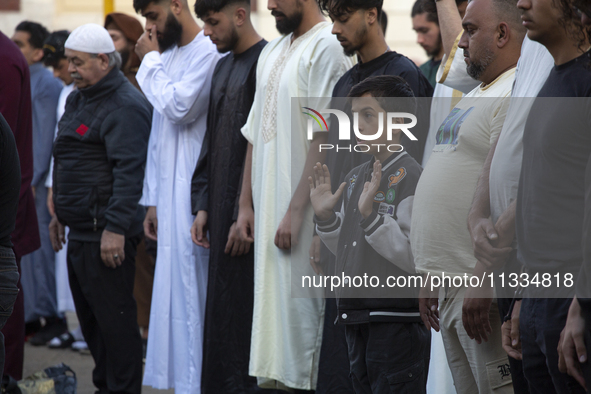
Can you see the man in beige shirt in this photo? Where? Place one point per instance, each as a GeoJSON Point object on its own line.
{"type": "Point", "coordinates": [440, 239]}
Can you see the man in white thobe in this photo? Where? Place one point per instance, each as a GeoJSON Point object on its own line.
{"type": "Point", "coordinates": [306, 61]}
{"type": "Point", "coordinates": [175, 75]}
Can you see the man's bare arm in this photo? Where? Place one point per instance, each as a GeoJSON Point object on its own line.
{"type": "Point", "coordinates": [245, 221]}
{"type": "Point", "coordinates": [481, 203]}
{"type": "Point", "coordinates": [476, 307]}
{"type": "Point", "coordinates": [301, 197]}
{"type": "Point", "coordinates": [246, 191]}
{"type": "Point", "coordinates": [482, 230]}
{"type": "Point", "coordinates": [505, 226]}
{"type": "Point", "coordinates": [450, 23]}
{"type": "Point", "coordinates": [289, 228]}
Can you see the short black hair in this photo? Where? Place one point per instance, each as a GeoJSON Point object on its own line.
{"type": "Point", "coordinates": [204, 7]}
{"type": "Point", "coordinates": [54, 47]}
{"type": "Point", "coordinates": [37, 33]}
{"type": "Point", "coordinates": [342, 7]}
{"type": "Point", "coordinates": [385, 87]}
{"type": "Point", "coordinates": [140, 5]}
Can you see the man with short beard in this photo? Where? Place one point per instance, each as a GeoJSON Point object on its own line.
{"type": "Point", "coordinates": [175, 75]}
{"type": "Point", "coordinates": [215, 195]}
{"type": "Point", "coordinates": [125, 30]}
{"type": "Point", "coordinates": [440, 239]}
{"type": "Point", "coordinates": [305, 62]}
{"type": "Point", "coordinates": [356, 26]}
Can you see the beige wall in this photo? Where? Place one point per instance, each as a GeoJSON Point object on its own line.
{"type": "Point", "coordinates": [68, 14]}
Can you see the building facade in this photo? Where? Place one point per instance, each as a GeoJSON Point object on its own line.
{"type": "Point", "coordinates": [68, 14]}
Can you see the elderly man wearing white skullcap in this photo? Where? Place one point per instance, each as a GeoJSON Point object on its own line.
{"type": "Point", "coordinates": [100, 155]}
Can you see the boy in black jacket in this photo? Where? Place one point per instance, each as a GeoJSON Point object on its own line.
{"type": "Point", "coordinates": [388, 344]}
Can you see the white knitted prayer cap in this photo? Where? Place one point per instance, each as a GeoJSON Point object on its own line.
{"type": "Point", "coordinates": [90, 38]}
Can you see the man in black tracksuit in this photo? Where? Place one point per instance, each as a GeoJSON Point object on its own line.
{"type": "Point", "coordinates": [388, 344]}
{"type": "Point", "coordinates": [99, 159]}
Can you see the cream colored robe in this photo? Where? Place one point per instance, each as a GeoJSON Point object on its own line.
{"type": "Point", "coordinates": [287, 332]}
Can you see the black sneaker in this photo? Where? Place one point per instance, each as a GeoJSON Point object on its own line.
{"type": "Point", "coordinates": [53, 327]}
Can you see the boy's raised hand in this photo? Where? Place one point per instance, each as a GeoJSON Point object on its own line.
{"type": "Point", "coordinates": [369, 190]}
{"type": "Point", "coordinates": [321, 197]}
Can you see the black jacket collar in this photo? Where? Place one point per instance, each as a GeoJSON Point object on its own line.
{"type": "Point", "coordinates": [105, 86]}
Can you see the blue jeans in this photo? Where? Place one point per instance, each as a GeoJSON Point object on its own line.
{"type": "Point", "coordinates": [8, 292]}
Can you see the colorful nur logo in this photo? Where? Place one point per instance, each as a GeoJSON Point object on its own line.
{"type": "Point", "coordinates": [345, 124]}
{"type": "Point", "coordinates": [316, 119]}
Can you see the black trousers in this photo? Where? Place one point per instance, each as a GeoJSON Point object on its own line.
{"type": "Point", "coordinates": [389, 357]}
{"type": "Point", "coordinates": [540, 323]}
{"type": "Point", "coordinates": [586, 367]}
{"type": "Point", "coordinates": [520, 384]}
{"type": "Point", "coordinates": [8, 292]}
{"type": "Point", "coordinates": [334, 367]}
{"type": "Point", "coordinates": [107, 313]}
{"type": "Point", "coordinates": [505, 296]}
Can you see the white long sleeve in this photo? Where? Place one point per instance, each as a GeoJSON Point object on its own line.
{"type": "Point", "coordinates": [177, 84]}
{"type": "Point", "coordinates": [180, 102]}
{"type": "Point", "coordinates": [150, 192]}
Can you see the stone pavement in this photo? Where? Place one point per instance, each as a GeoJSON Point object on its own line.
{"type": "Point", "coordinates": [41, 357]}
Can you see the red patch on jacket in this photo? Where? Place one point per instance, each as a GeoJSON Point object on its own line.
{"type": "Point", "coordinates": [82, 129]}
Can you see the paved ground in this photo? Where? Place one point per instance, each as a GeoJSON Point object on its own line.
{"type": "Point", "coordinates": [39, 358]}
